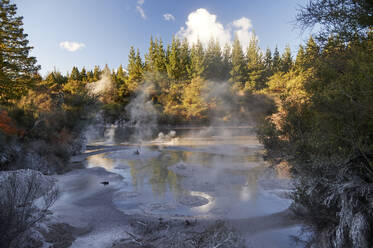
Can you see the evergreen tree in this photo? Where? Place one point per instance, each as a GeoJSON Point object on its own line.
{"type": "Point", "coordinates": [276, 61]}
{"type": "Point", "coordinates": [300, 61]}
{"type": "Point", "coordinates": [226, 62]}
{"type": "Point", "coordinates": [75, 74]}
{"type": "Point", "coordinates": [238, 72]}
{"type": "Point", "coordinates": [150, 57]}
{"type": "Point", "coordinates": [83, 75]}
{"type": "Point", "coordinates": [135, 70]}
{"type": "Point", "coordinates": [121, 74]}
{"type": "Point", "coordinates": [160, 57]}
{"type": "Point", "coordinates": [173, 59]}
{"type": "Point", "coordinates": [197, 64]}
{"type": "Point", "coordinates": [90, 76]}
{"type": "Point", "coordinates": [255, 65]}
{"type": "Point", "coordinates": [268, 60]}
{"type": "Point", "coordinates": [96, 73]}
{"type": "Point", "coordinates": [184, 59]}
{"type": "Point", "coordinates": [286, 61]}
{"type": "Point", "coordinates": [213, 60]}
{"type": "Point", "coordinates": [17, 68]}
{"type": "Point", "coordinates": [312, 52]}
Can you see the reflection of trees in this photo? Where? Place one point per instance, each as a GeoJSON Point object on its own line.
{"type": "Point", "coordinates": [156, 169]}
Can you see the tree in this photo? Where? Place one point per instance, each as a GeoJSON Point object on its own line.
{"type": "Point", "coordinates": [83, 75]}
{"type": "Point", "coordinates": [312, 52]}
{"type": "Point", "coordinates": [96, 73]}
{"type": "Point", "coordinates": [238, 72]}
{"type": "Point", "coordinates": [214, 60]}
{"type": "Point", "coordinates": [160, 57]}
{"type": "Point", "coordinates": [347, 18]}
{"type": "Point", "coordinates": [255, 66]}
{"type": "Point", "coordinates": [173, 59]}
{"type": "Point", "coordinates": [300, 60]}
{"type": "Point", "coordinates": [184, 59]}
{"type": "Point", "coordinates": [150, 57]}
{"type": "Point", "coordinates": [75, 74]}
{"type": "Point", "coordinates": [135, 70]}
{"type": "Point", "coordinates": [286, 61]}
{"type": "Point", "coordinates": [194, 105]}
{"type": "Point", "coordinates": [276, 61]}
{"type": "Point", "coordinates": [197, 61]}
{"type": "Point", "coordinates": [268, 59]}
{"type": "Point", "coordinates": [226, 62]}
{"type": "Point", "coordinates": [17, 68]}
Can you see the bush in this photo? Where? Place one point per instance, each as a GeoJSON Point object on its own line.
{"type": "Point", "coordinates": [26, 196]}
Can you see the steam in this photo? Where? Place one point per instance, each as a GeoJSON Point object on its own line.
{"type": "Point", "coordinates": [102, 86]}
{"type": "Point", "coordinates": [142, 114]}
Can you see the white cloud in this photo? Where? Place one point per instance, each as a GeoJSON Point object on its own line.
{"type": "Point", "coordinates": [203, 25]}
{"type": "Point", "coordinates": [140, 9]}
{"type": "Point", "coordinates": [243, 32]}
{"type": "Point", "coordinates": [169, 17]}
{"type": "Point", "coordinates": [71, 46]}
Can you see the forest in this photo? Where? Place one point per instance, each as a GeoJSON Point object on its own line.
{"type": "Point", "coordinates": [312, 108]}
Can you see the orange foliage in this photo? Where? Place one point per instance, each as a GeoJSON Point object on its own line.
{"type": "Point", "coordinates": [6, 124]}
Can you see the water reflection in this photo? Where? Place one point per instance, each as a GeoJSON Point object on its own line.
{"type": "Point", "coordinates": [192, 180]}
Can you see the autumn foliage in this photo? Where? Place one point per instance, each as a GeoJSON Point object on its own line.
{"type": "Point", "coordinates": [6, 124]}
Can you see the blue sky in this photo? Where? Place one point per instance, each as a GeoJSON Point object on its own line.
{"type": "Point", "coordinates": [99, 32]}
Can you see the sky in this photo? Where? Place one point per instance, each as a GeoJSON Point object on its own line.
{"type": "Point", "coordinates": [67, 33]}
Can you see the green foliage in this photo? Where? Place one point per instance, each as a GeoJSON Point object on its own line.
{"type": "Point", "coordinates": [197, 64]}
{"type": "Point", "coordinates": [324, 126]}
{"type": "Point", "coordinates": [238, 72]}
{"type": "Point", "coordinates": [17, 68]}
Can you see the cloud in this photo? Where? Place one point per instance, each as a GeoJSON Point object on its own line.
{"type": "Point", "coordinates": [71, 46]}
{"type": "Point", "coordinates": [203, 25]}
{"type": "Point", "coordinates": [243, 32]}
{"type": "Point", "coordinates": [140, 9]}
{"type": "Point", "coordinates": [169, 17]}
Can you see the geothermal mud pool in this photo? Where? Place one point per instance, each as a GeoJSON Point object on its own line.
{"type": "Point", "coordinates": [192, 178]}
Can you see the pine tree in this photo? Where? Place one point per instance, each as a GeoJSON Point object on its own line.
{"type": "Point", "coordinates": [276, 61]}
{"type": "Point", "coordinates": [150, 57]}
{"type": "Point", "coordinates": [300, 59]}
{"type": "Point", "coordinates": [184, 59]}
{"type": "Point", "coordinates": [226, 62]}
{"type": "Point", "coordinates": [160, 57]}
{"type": "Point", "coordinates": [255, 65]}
{"type": "Point", "coordinates": [197, 64]}
{"type": "Point", "coordinates": [238, 72]}
{"type": "Point", "coordinates": [96, 73]}
{"type": "Point", "coordinates": [286, 61]}
{"type": "Point", "coordinates": [17, 68]}
{"type": "Point", "coordinates": [312, 52]}
{"type": "Point", "coordinates": [268, 60]}
{"type": "Point", "coordinates": [213, 60]}
{"type": "Point", "coordinates": [135, 70]}
{"type": "Point", "coordinates": [173, 60]}
{"type": "Point", "coordinates": [75, 74]}
{"type": "Point", "coordinates": [83, 75]}
{"type": "Point", "coordinates": [121, 74]}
